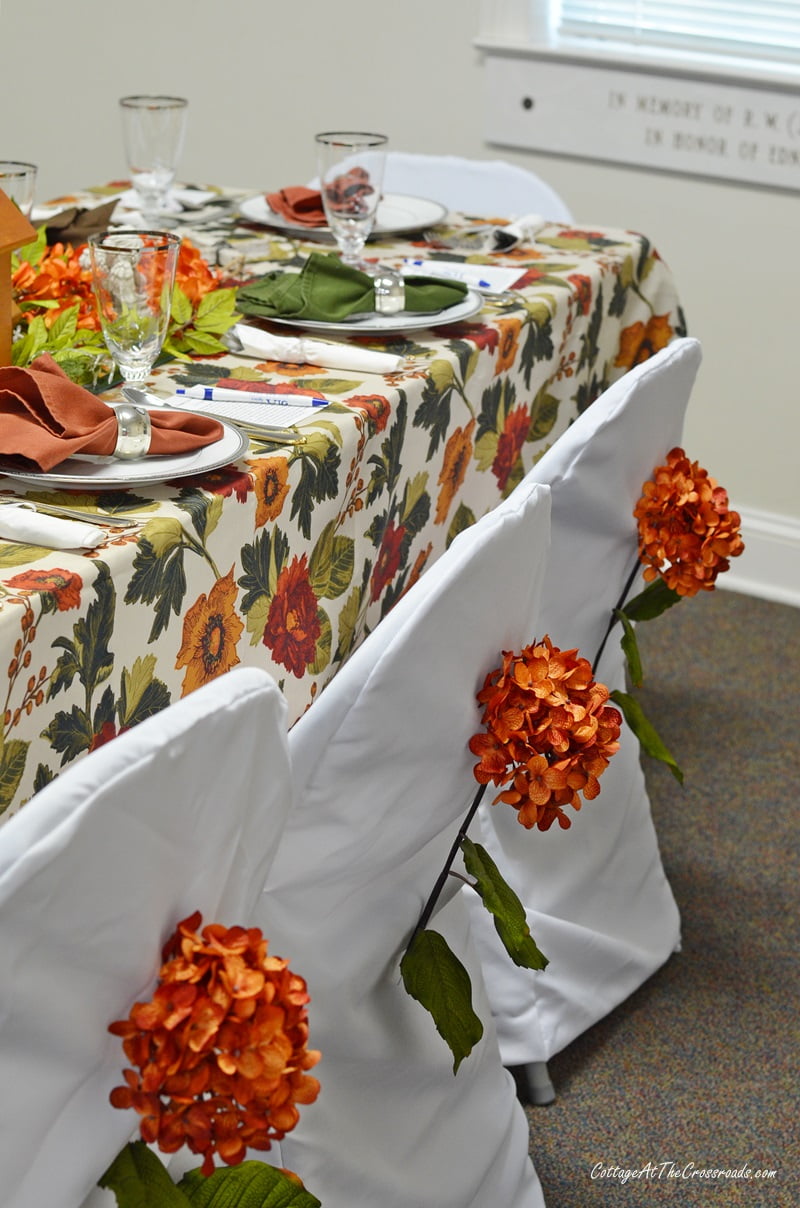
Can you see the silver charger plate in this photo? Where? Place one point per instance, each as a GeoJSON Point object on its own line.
{"type": "Point", "coordinates": [104, 473]}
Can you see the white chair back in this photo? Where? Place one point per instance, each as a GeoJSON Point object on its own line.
{"type": "Point", "coordinates": [485, 187]}
{"type": "Point", "coordinates": [597, 899]}
{"type": "Point", "coordinates": [383, 779]}
{"type": "Point", "coordinates": [181, 813]}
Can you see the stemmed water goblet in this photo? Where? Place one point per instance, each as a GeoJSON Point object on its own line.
{"type": "Point", "coordinates": [153, 129]}
{"type": "Point", "coordinates": [351, 167]}
{"type": "Point", "coordinates": [133, 275]}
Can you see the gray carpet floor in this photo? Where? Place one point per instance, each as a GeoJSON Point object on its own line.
{"type": "Point", "coordinates": [699, 1068]}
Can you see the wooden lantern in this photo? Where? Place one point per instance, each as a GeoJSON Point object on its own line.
{"type": "Point", "coordinates": [15, 231]}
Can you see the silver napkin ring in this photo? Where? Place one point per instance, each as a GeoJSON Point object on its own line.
{"type": "Point", "coordinates": [133, 432]}
{"type": "Point", "coordinates": [390, 292]}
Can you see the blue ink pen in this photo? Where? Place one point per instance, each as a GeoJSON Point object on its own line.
{"type": "Point", "coordinates": [221, 394]}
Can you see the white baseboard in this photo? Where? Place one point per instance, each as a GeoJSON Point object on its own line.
{"type": "Point", "coordinates": [770, 565]}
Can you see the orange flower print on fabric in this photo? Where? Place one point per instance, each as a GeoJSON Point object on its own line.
{"type": "Point", "coordinates": [293, 626]}
{"type": "Point", "coordinates": [509, 446]}
{"type": "Point", "coordinates": [219, 1053]}
{"type": "Point", "coordinates": [64, 587]}
{"type": "Point", "coordinates": [687, 532]}
{"type": "Point", "coordinates": [457, 454]}
{"type": "Point", "coordinates": [640, 341]}
{"type": "Point", "coordinates": [211, 631]}
{"type": "Point", "coordinates": [271, 476]}
{"type": "Point", "coordinates": [377, 408]}
{"type": "Point", "coordinates": [387, 563]}
{"type": "Point", "coordinates": [507, 348]}
{"type": "Point", "coordinates": [583, 291]}
{"type": "Point", "coordinates": [548, 735]}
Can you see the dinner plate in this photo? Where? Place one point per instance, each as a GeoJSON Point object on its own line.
{"type": "Point", "coordinates": [471, 303]}
{"type": "Point", "coordinates": [103, 473]}
{"type": "Point", "coordinates": [397, 213]}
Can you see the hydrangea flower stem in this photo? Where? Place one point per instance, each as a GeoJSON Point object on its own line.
{"type": "Point", "coordinates": [612, 620]}
{"type": "Point", "coordinates": [445, 873]}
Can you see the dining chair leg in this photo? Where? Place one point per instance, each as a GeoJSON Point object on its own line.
{"type": "Point", "coordinates": [534, 1087]}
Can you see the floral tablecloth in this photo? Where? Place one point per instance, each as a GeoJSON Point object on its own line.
{"type": "Point", "coordinates": [289, 558]}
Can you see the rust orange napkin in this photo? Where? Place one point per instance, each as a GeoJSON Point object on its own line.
{"type": "Point", "coordinates": [45, 417]}
{"type": "Point", "coordinates": [298, 204]}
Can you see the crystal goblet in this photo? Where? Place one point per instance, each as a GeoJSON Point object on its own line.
{"type": "Point", "coordinates": [133, 275]}
{"type": "Point", "coordinates": [350, 166]}
{"type": "Point", "coordinates": [153, 129]}
{"type": "Point", "coordinates": [18, 181]}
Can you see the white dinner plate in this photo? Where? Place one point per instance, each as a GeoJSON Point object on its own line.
{"type": "Point", "coordinates": [103, 473]}
{"type": "Point", "coordinates": [397, 214]}
{"type": "Point", "coordinates": [471, 303]}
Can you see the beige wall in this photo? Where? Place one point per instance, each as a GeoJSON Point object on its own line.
{"type": "Point", "coordinates": [262, 77]}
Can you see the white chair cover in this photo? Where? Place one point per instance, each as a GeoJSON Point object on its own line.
{"type": "Point", "coordinates": [383, 779]}
{"type": "Point", "coordinates": [597, 900]}
{"type": "Point", "coordinates": [183, 812]}
{"type": "Point", "coordinates": [491, 187]}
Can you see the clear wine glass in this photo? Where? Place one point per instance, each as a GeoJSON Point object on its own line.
{"type": "Point", "coordinates": [133, 275]}
{"type": "Point", "coordinates": [18, 181]}
{"type": "Point", "coordinates": [153, 129]}
{"type": "Point", "coordinates": [351, 166]}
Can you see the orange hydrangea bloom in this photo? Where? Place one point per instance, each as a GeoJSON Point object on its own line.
{"type": "Point", "coordinates": [548, 733]}
{"type": "Point", "coordinates": [220, 1050]}
{"type": "Point", "coordinates": [687, 533]}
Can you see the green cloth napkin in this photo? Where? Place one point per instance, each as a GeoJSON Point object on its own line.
{"type": "Point", "coordinates": [328, 290]}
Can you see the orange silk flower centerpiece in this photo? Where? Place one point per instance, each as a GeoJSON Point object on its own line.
{"type": "Point", "coordinates": [219, 1062]}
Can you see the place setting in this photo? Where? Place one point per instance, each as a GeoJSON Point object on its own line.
{"type": "Point", "coordinates": [55, 432]}
{"type": "Point", "coordinates": [342, 292]}
{"type": "Point", "coordinates": [338, 202]}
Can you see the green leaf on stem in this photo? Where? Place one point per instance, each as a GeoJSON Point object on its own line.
{"type": "Point", "coordinates": [139, 1179]}
{"type": "Point", "coordinates": [646, 732]}
{"type": "Point", "coordinates": [434, 975]}
{"type": "Point", "coordinates": [630, 648]}
{"type": "Point", "coordinates": [505, 907]}
{"type": "Point", "coordinates": [248, 1185]}
{"type": "Point", "coordinates": [655, 599]}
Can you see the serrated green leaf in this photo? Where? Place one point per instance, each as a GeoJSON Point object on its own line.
{"type": "Point", "coordinates": [655, 599]}
{"type": "Point", "coordinates": [505, 907]}
{"type": "Point", "coordinates": [181, 309]}
{"type": "Point", "coordinates": [139, 1179]}
{"type": "Point", "coordinates": [646, 733]}
{"type": "Point", "coordinates": [216, 311]}
{"type": "Point", "coordinates": [12, 767]}
{"type": "Point", "coordinates": [436, 978]}
{"type": "Point", "coordinates": [64, 327]}
{"type": "Point", "coordinates": [69, 733]}
{"type": "Point", "coordinates": [248, 1185]}
{"type": "Point", "coordinates": [630, 648]}
{"type": "Point", "coordinates": [202, 343]}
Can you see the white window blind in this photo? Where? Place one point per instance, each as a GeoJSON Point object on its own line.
{"type": "Point", "coordinates": [766, 29]}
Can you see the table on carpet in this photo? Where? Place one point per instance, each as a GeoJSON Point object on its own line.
{"type": "Point", "coordinates": [288, 558]}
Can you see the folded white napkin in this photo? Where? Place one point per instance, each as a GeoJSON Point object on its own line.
{"type": "Point", "coordinates": [299, 350]}
{"type": "Point", "coordinates": [23, 524]}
